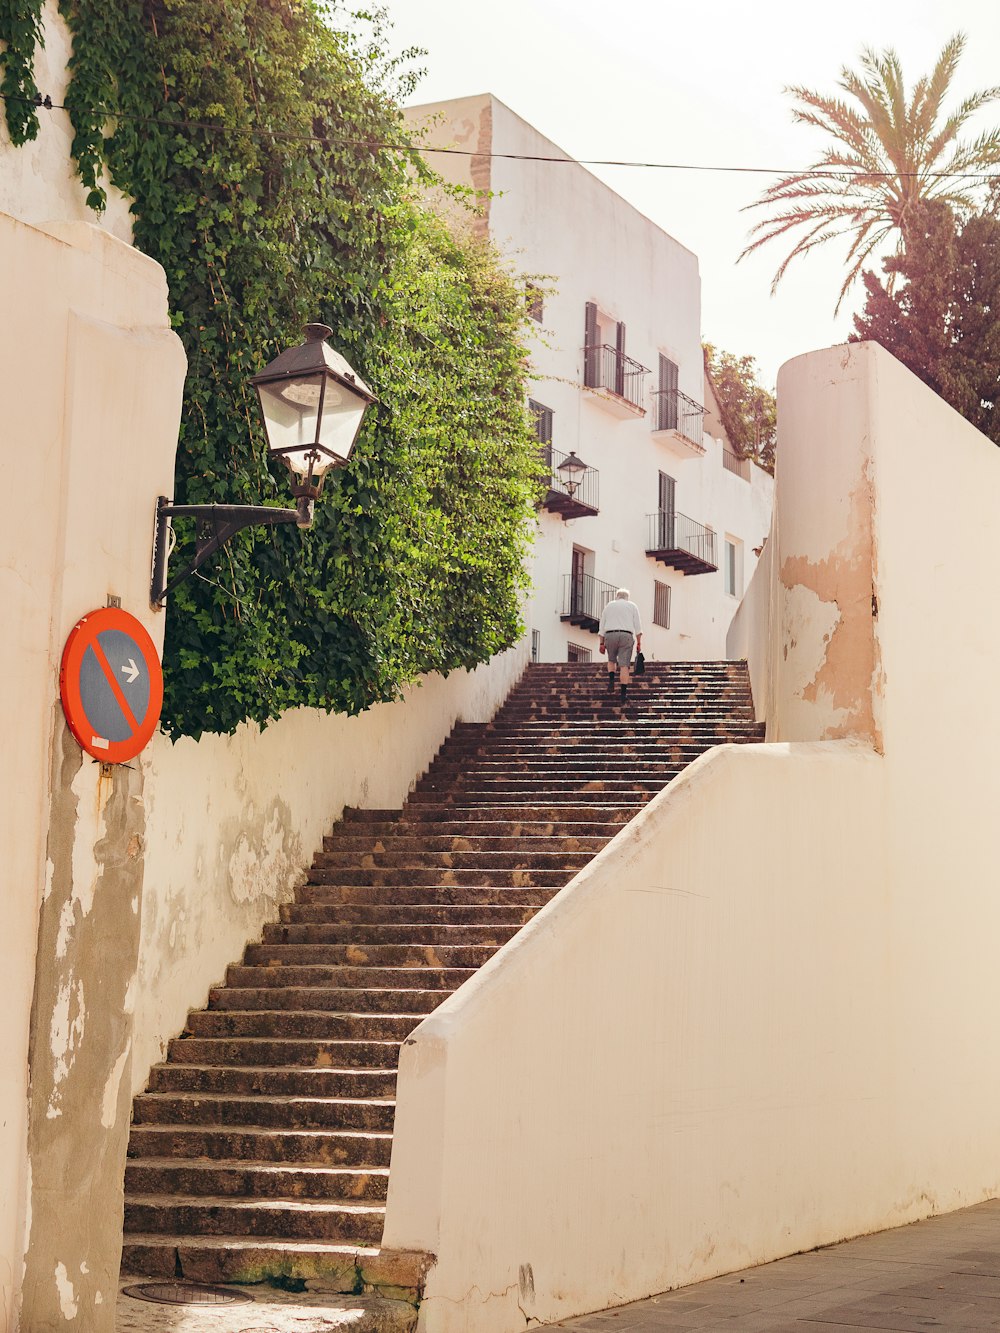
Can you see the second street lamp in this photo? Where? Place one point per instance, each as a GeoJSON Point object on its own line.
{"type": "Point", "coordinates": [313, 404]}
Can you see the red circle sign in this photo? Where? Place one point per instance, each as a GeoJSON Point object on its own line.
{"type": "Point", "coordinates": [111, 685]}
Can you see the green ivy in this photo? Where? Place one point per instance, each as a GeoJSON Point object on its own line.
{"type": "Point", "coordinates": [20, 33]}
{"type": "Point", "coordinates": [416, 559]}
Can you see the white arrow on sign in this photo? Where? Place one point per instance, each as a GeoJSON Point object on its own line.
{"type": "Point", "coordinates": [130, 671]}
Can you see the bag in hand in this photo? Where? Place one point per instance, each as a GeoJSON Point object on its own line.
{"type": "Point", "coordinates": [640, 664]}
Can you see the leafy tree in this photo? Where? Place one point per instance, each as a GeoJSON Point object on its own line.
{"type": "Point", "coordinates": [942, 316]}
{"type": "Point", "coordinates": [252, 136]}
{"type": "Point", "coordinates": [889, 155]}
{"type": "Point", "coordinates": [749, 411]}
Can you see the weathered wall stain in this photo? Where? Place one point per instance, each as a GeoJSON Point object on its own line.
{"type": "Point", "coordinates": [481, 168]}
{"type": "Point", "coordinates": [80, 1045]}
{"type": "Point", "coordinates": [846, 673]}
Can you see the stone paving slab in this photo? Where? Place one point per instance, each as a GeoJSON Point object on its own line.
{"type": "Point", "coordinates": [942, 1273]}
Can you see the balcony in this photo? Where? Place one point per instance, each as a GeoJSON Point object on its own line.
{"type": "Point", "coordinates": [584, 598]}
{"type": "Point", "coordinates": [615, 381]}
{"type": "Point", "coordinates": [678, 421]}
{"type": "Point", "coordinates": [564, 497]}
{"type": "Point", "coordinates": [680, 542]}
{"type": "Point", "coordinates": [739, 467]}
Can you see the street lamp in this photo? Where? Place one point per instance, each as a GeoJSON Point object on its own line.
{"type": "Point", "coordinates": [572, 469]}
{"type": "Point", "coordinates": [313, 404]}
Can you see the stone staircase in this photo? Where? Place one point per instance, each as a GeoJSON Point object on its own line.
{"type": "Point", "coordinates": [261, 1148]}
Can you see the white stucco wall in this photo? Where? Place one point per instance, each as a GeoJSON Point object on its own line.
{"type": "Point", "coordinates": [761, 1019]}
{"type": "Point", "coordinates": [233, 823]}
{"type": "Point", "coordinates": [559, 224]}
{"type": "Point", "coordinates": [89, 366]}
{"type": "Point", "coordinates": [38, 181]}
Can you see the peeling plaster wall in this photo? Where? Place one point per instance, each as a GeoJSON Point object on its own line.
{"type": "Point", "coordinates": [762, 1019]}
{"type": "Point", "coordinates": [38, 181]}
{"type": "Point", "coordinates": [233, 823]}
{"type": "Point", "coordinates": [75, 527]}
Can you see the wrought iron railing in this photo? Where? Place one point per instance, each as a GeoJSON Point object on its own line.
{"type": "Point", "coordinates": [740, 467]}
{"type": "Point", "coordinates": [584, 597]}
{"type": "Point", "coordinates": [587, 484]}
{"type": "Point", "coordinates": [673, 410]}
{"type": "Point", "coordinates": [666, 530]}
{"type": "Point", "coordinates": [604, 367]}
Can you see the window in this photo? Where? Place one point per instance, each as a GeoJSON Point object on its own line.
{"type": "Point", "coordinates": [732, 567]}
{"type": "Point", "coordinates": [575, 652]}
{"type": "Point", "coordinates": [536, 645]}
{"type": "Point", "coordinates": [661, 604]}
{"type": "Point", "coordinates": [543, 421]}
{"type": "Point", "coordinates": [534, 301]}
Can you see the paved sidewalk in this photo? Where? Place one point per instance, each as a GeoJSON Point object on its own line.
{"type": "Point", "coordinates": [942, 1273]}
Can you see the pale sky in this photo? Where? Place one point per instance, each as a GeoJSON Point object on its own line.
{"type": "Point", "coordinates": [702, 83]}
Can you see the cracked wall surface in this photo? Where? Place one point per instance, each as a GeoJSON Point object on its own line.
{"type": "Point", "coordinates": [88, 943]}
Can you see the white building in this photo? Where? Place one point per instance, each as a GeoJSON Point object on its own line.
{"type": "Point", "coordinates": [664, 508]}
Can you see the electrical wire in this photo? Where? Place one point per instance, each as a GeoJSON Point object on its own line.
{"type": "Point", "coordinates": [287, 136]}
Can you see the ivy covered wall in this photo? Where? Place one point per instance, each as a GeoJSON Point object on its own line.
{"type": "Point", "coordinates": [252, 136]}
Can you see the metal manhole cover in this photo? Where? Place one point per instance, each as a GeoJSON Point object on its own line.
{"type": "Point", "coordinates": [186, 1293]}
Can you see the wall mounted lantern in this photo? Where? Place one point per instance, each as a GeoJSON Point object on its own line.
{"type": "Point", "coordinates": [572, 470]}
{"type": "Point", "coordinates": [313, 404]}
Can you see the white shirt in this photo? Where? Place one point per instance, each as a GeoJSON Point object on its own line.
{"type": "Point", "coordinates": [620, 614]}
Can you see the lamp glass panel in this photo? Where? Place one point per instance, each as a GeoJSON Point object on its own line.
{"type": "Point", "coordinates": [342, 413]}
{"type": "Point", "coordinates": [291, 417]}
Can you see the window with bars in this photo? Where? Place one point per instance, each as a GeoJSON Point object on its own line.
{"type": "Point", "coordinates": [575, 652]}
{"type": "Point", "coordinates": [661, 604]}
{"type": "Point", "coordinates": [535, 302]}
{"type": "Point", "coordinates": [536, 645]}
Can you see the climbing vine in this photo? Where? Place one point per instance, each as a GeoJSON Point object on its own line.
{"type": "Point", "coordinates": [20, 33]}
{"type": "Point", "coordinates": [250, 136]}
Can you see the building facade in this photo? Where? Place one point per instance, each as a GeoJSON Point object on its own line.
{"type": "Point", "coordinates": [661, 505]}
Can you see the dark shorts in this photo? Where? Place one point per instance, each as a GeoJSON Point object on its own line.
{"type": "Point", "coordinates": [619, 643]}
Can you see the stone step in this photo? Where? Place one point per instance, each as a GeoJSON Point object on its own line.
{"type": "Point", "coordinates": [315, 1052]}
{"type": "Point", "coordinates": [365, 978]}
{"type": "Point", "coordinates": [252, 1180]}
{"type": "Point", "coordinates": [193, 1108]}
{"type": "Point", "coordinates": [290, 1219]}
{"type": "Point", "coordinates": [431, 844]}
{"type": "Point", "coordinates": [374, 956]}
{"type": "Point", "coordinates": [294, 1023]}
{"type": "Point", "coordinates": [329, 998]}
{"type": "Point", "coordinates": [248, 1144]}
{"type": "Point", "coordinates": [339, 1268]}
{"type": "Point", "coordinates": [499, 914]}
{"type": "Point", "coordinates": [422, 876]}
{"type": "Point", "coordinates": [452, 934]}
{"type": "Point", "coordinates": [537, 820]}
{"type": "Point", "coordinates": [275, 1080]}
{"type": "Point", "coordinates": [453, 860]}
{"type": "Point", "coordinates": [468, 895]}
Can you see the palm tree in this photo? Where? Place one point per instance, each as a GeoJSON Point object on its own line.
{"type": "Point", "coordinates": [888, 157]}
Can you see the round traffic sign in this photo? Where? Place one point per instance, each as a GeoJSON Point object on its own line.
{"type": "Point", "coordinates": [111, 684]}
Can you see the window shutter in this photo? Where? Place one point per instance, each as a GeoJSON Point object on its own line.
{"type": "Point", "coordinates": [668, 394]}
{"type": "Point", "coordinates": [592, 355]}
{"type": "Point", "coordinates": [620, 360]}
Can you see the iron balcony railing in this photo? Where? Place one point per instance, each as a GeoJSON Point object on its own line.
{"type": "Point", "coordinates": [604, 367]}
{"type": "Point", "coordinates": [673, 410]}
{"type": "Point", "coordinates": [581, 491]}
{"type": "Point", "coordinates": [666, 530]}
{"type": "Point", "coordinates": [584, 598]}
{"type": "Point", "coordinates": [740, 467]}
